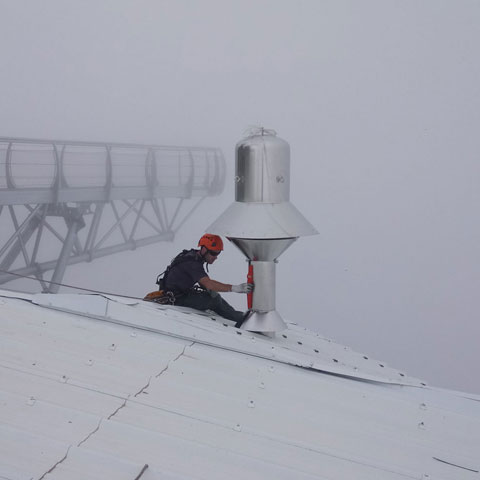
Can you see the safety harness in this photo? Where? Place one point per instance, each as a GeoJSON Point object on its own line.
{"type": "Point", "coordinates": [164, 296]}
{"type": "Point", "coordinates": [183, 256]}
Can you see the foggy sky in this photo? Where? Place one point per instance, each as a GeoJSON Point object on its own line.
{"type": "Point", "coordinates": [380, 102]}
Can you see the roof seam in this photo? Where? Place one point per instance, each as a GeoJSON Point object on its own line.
{"type": "Point", "coordinates": [175, 359]}
{"type": "Point", "coordinates": [56, 464]}
{"type": "Point", "coordinates": [163, 371]}
{"type": "Point", "coordinates": [117, 410]}
{"type": "Point", "coordinates": [142, 471]}
{"type": "Point", "coordinates": [124, 404]}
{"type": "Point", "coordinates": [455, 465]}
{"type": "Point", "coordinates": [222, 347]}
{"type": "Point", "coordinates": [93, 431]}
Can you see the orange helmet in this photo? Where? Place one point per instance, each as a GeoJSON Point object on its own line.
{"type": "Point", "coordinates": [211, 242]}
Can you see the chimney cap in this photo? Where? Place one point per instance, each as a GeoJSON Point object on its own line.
{"type": "Point", "coordinates": [262, 220]}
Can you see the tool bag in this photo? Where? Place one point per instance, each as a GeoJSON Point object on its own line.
{"type": "Point", "coordinates": [160, 296]}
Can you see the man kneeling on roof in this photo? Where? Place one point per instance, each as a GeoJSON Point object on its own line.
{"type": "Point", "coordinates": [180, 279]}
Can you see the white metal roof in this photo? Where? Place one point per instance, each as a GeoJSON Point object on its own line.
{"type": "Point", "coordinates": [96, 387]}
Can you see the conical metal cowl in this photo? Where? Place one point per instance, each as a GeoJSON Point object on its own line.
{"type": "Point", "coordinates": [262, 222]}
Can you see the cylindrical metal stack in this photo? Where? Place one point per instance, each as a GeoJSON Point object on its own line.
{"type": "Point", "coordinates": [262, 170]}
{"type": "Point", "coordinates": [262, 222]}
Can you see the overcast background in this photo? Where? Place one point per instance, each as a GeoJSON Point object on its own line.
{"type": "Point", "coordinates": [380, 102]}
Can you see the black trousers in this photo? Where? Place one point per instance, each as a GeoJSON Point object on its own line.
{"type": "Point", "coordinates": [209, 300]}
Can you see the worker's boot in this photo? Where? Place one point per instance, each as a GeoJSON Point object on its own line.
{"type": "Point", "coordinates": [245, 316]}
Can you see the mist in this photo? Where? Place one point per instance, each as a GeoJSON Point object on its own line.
{"type": "Point", "coordinates": [380, 102]}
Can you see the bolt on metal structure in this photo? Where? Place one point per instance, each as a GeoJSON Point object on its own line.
{"type": "Point", "coordinates": [94, 199]}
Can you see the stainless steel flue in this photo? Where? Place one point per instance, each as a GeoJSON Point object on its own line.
{"type": "Point", "coordinates": [262, 222]}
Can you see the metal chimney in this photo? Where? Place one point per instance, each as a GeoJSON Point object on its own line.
{"type": "Point", "coordinates": [262, 222]}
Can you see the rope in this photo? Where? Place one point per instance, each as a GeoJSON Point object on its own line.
{"type": "Point", "coordinates": [70, 286]}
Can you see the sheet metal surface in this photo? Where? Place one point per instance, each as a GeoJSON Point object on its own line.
{"type": "Point", "coordinates": [188, 396]}
{"type": "Point", "coordinates": [295, 346]}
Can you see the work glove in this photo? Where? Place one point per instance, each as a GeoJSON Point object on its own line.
{"type": "Point", "coordinates": [243, 288]}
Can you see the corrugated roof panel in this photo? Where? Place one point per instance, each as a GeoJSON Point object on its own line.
{"type": "Point", "coordinates": [185, 456]}
{"type": "Point", "coordinates": [24, 456]}
{"type": "Point", "coordinates": [85, 464]}
{"type": "Point", "coordinates": [289, 347]}
{"type": "Point", "coordinates": [280, 407]}
{"type": "Point", "coordinates": [82, 351]}
{"type": "Point", "coordinates": [90, 395]}
{"type": "Point", "coordinates": [61, 423]}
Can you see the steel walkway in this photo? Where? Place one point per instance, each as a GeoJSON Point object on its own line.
{"type": "Point", "coordinates": [94, 199]}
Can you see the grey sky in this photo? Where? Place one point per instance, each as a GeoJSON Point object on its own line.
{"type": "Point", "coordinates": [379, 100]}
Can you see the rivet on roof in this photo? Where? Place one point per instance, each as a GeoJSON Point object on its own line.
{"type": "Point", "coordinates": [237, 427]}
{"type": "Point", "coordinates": [31, 401]}
{"type": "Point", "coordinates": [64, 379]}
{"type": "Point", "coordinates": [315, 350]}
{"type": "Point", "coordinates": [251, 404]}
{"type": "Point", "coordinates": [113, 346]}
{"type": "Point", "coordinates": [261, 385]}
{"type": "Point", "coordinates": [421, 426]}
{"type": "Point", "coordinates": [271, 368]}
{"type": "Point", "coordinates": [89, 362]}
{"type": "Point", "coordinates": [423, 406]}
{"type": "Point", "coordinates": [133, 334]}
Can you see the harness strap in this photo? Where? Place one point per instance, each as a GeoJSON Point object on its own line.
{"type": "Point", "coordinates": [182, 257]}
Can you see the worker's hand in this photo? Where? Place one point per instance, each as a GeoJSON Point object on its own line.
{"type": "Point", "coordinates": [243, 288]}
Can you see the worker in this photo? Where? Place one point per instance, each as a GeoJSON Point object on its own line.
{"type": "Point", "coordinates": [187, 270]}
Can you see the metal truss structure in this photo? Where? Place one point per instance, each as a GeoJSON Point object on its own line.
{"type": "Point", "coordinates": [89, 200]}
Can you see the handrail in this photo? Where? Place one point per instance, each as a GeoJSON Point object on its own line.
{"type": "Point", "coordinates": [92, 173]}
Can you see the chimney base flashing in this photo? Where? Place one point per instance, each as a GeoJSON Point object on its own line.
{"type": "Point", "coordinates": [264, 322]}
